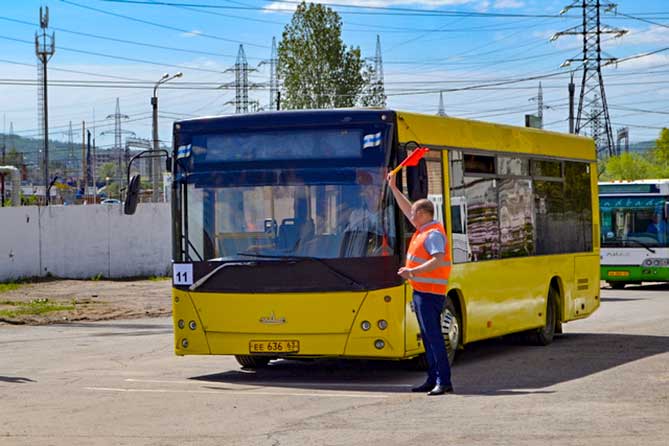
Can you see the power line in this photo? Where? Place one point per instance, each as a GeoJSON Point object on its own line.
{"type": "Point", "coordinates": [160, 25]}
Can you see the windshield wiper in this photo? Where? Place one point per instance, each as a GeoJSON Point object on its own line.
{"type": "Point", "coordinates": [338, 273]}
{"type": "Point", "coordinates": [641, 243]}
{"type": "Point", "coordinates": [206, 278]}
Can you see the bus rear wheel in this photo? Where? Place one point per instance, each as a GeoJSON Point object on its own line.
{"type": "Point", "coordinates": [544, 335]}
{"type": "Point", "coordinates": [252, 362]}
{"type": "Point", "coordinates": [617, 285]}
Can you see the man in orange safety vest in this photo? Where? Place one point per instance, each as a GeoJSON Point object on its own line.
{"type": "Point", "coordinates": [427, 268]}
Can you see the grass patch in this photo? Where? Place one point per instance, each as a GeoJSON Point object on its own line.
{"type": "Point", "coordinates": [4, 287]}
{"type": "Point", "coordinates": [33, 308]}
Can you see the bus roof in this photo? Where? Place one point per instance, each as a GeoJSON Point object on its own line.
{"type": "Point", "coordinates": [432, 130]}
{"type": "Point", "coordinates": [448, 132]}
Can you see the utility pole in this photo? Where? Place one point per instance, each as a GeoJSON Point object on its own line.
{"type": "Point", "coordinates": [2, 163]}
{"type": "Point", "coordinates": [592, 83]}
{"type": "Point", "coordinates": [83, 160]}
{"type": "Point", "coordinates": [155, 162]}
{"type": "Point", "coordinates": [45, 46]}
{"type": "Point", "coordinates": [572, 91]}
{"type": "Point", "coordinates": [273, 81]}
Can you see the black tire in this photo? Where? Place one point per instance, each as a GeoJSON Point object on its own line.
{"type": "Point", "coordinates": [252, 362]}
{"type": "Point", "coordinates": [617, 285]}
{"type": "Point", "coordinates": [451, 328]}
{"type": "Point", "coordinates": [544, 335]}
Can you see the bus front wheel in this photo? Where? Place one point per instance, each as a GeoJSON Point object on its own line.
{"type": "Point", "coordinates": [451, 329]}
{"type": "Point", "coordinates": [617, 285]}
{"type": "Point", "coordinates": [252, 362]}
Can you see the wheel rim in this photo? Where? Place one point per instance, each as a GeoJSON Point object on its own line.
{"type": "Point", "coordinates": [450, 330]}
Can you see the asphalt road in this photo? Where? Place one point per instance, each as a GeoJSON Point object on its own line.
{"type": "Point", "coordinates": [604, 382]}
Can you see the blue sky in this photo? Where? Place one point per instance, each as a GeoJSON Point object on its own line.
{"type": "Point", "coordinates": [424, 51]}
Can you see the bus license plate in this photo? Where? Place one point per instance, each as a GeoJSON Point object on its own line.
{"type": "Point", "coordinates": [274, 346]}
{"type": "Point", "coordinates": [619, 273]}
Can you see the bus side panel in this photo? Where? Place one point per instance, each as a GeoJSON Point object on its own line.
{"type": "Point", "coordinates": [585, 288]}
{"type": "Point", "coordinates": [507, 296]}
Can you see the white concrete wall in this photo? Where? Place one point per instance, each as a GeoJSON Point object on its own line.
{"type": "Point", "coordinates": [81, 242]}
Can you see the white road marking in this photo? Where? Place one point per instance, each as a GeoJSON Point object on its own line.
{"type": "Point", "coordinates": [232, 392]}
{"type": "Point", "coordinates": [269, 383]}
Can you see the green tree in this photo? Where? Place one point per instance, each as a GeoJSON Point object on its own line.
{"type": "Point", "coordinates": [660, 153]}
{"type": "Point", "coordinates": [316, 68]}
{"type": "Point", "coordinates": [628, 166]}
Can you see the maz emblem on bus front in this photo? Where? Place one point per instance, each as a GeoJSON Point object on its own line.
{"type": "Point", "coordinates": [272, 320]}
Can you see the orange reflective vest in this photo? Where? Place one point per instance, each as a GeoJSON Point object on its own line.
{"type": "Point", "coordinates": [435, 281]}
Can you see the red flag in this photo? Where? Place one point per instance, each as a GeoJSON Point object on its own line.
{"type": "Point", "coordinates": [412, 160]}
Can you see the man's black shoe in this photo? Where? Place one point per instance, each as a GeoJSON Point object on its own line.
{"type": "Point", "coordinates": [440, 390]}
{"type": "Point", "coordinates": [423, 387]}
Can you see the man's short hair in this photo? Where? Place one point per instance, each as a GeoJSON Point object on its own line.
{"type": "Point", "coordinates": [425, 205]}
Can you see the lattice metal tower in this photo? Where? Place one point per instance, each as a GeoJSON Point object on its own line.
{"type": "Point", "coordinates": [70, 165]}
{"type": "Point", "coordinates": [539, 98]}
{"type": "Point", "coordinates": [377, 87]}
{"type": "Point", "coordinates": [623, 135]}
{"type": "Point", "coordinates": [592, 83]}
{"type": "Point", "coordinates": [241, 83]}
{"type": "Point", "coordinates": [118, 136]}
{"type": "Point", "coordinates": [45, 46]}
{"type": "Point", "coordinates": [595, 119]}
{"type": "Point", "coordinates": [442, 109]}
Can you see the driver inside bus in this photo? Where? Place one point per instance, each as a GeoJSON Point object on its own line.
{"type": "Point", "coordinates": [658, 227]}
{"type": "Point", "coordinates": [365, 216]}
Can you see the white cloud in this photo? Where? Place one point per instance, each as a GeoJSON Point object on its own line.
{"type": "Point", "coordinates": [508, 4]}
{"type": "Point", "coordinates": [194, 33]}
{"type": "Point", "coordinates": [290, 7]}
{"type": "Point", "coordinates": [644, 62]}
{"type": "Point", "coordinates": [652, 35]}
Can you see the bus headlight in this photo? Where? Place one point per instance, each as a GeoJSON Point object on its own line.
{"type": "Point", "coordinates": [192, 325]}
{"type": "Point", "coordinates": [181, 323]}
{"type": "Point", "coordinates": [379, 344]}
{"type": "Point", "coordinates": [184, 343]}
{"type": "Point", "coordinates": [365, 325]}
{"type": "Point", "coordinates": [382, 324]}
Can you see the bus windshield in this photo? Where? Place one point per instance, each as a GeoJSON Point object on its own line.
{"type": "Point", "coordinates": [286, 193]}
{"type": "Point", "coordinates": [634, 222]}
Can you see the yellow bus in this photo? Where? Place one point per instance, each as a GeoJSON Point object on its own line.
{"type": "Point", "coordinates": [287, 242]}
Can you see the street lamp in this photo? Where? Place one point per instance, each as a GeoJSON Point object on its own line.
{"type": "Point", "coordinates": [155, 162]}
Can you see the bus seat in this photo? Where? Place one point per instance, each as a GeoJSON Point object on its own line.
{"type": "Point", "coordinates": [288, 234]}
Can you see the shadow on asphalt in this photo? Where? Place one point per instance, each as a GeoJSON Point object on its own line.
{"type": "Point", "coordinates": [15, 379]}
{"type": "Point", "coordinates": [494, 367]}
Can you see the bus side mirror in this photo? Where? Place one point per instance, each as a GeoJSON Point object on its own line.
{"type": "Point", "coordinates": [132, 195]}
{"type": "Point", "coordinates": [168, 164]}
{"type": "Point", "coordinates": [417, 181]}
{"type": "Point", "coordinates": [666, 210]}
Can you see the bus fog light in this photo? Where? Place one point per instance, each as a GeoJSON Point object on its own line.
{"type": "Point", "coordinates": [181, 323]}
{"type": "Point", "coordinates": [379, 344]}
{"type": "Point", "coordinates": [184, 343]}
{"type": "Point", "coordinates": [192, 325]}
{"type": "Point", "coordinates": [365, 325]}
{"type": "Point", "coordinates": [382, 324]}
